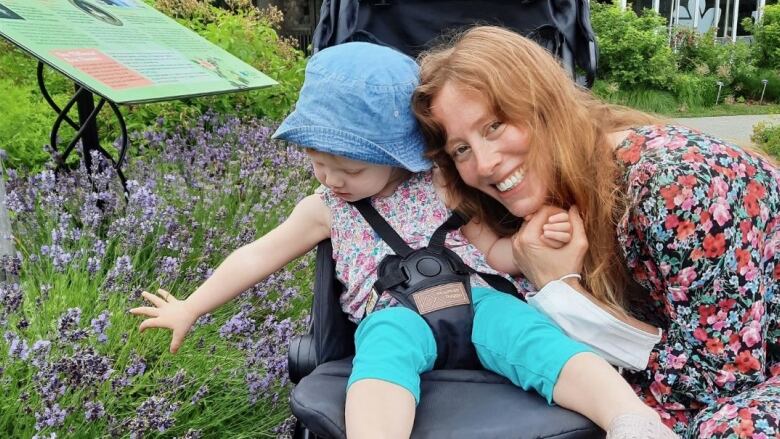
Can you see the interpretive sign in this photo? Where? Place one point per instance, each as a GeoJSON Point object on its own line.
{"type": "Point", "coordinates": [124, 50]}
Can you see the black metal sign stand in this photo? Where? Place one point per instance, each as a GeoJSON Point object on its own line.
{"type": "Point", "coordinates": [86, 130]}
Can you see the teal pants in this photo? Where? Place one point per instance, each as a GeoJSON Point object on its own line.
{"type": "Point", "coordinates": [511, 339]}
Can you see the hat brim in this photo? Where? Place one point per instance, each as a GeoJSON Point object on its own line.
{"type": "Point", "coordinates": [345, 144]}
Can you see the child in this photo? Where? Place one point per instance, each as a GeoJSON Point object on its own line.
{"type": "Point", "coordinates": [355, 121]}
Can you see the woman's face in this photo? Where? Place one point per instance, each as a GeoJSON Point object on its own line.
{"type": "Point", "coordinates": [490, 154]}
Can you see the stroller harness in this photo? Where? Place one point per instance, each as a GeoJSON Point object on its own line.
{"type": "Point", "coordinates": [434, 282]}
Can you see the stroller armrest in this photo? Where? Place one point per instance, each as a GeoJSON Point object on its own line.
{"type": "Point", "coordinates": [301, 357]}
{"type": "Point", "coordinates": [331, 333]}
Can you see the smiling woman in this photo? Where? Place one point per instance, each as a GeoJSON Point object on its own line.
{"type": "Point", "coordinates": [681, 229]}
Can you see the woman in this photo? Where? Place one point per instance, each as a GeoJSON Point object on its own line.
{"type": "Point", "coordinates": [681, 230]}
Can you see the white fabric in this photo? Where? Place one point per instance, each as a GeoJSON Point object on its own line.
{"type": "Point", "coordinates": [616, 341]}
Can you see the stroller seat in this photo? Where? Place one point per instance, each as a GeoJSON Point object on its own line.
{"type": "Point", "coordinates": [453, 403]}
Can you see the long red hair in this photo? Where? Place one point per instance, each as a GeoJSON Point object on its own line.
{"type": "Point", "coordinates": [568, 126]}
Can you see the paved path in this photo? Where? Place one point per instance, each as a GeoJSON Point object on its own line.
{"type": "Point", "coordinates": [736, 129]}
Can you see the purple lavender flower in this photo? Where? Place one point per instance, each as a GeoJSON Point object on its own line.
{"type": "Point", "coordinates": [156, 413]}
{"type": "Point", "coordinates": [93, 410]}
{"type": "Point", "coordinates": [67, 326]}
{"type": "Point", "coordinates": [52, 416]}
{"type": "Point", "coordinates": [192, 434]}
{"type": "Point", "coordinates": [17, 347]}
{"type": "Point", "coordinates": [238, 325]}
{"type": "Point", "coordinates": [136, 367]}
{"type": "Point", "coordinates": [11, 299]}
{"type": "Point", "coordinates": [169, 267]}
{"type": "Point", "coordinates": [99, 326]}
{"type": "Point", "coordinates": [40, 350]}
{"type": "Point", "coordinates": [199, 394]}
{"type": "Point", "coordinates": [84, 368]}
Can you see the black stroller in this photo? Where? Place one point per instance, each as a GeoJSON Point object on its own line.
{"type": "Point", "coordinates": [454, 403]}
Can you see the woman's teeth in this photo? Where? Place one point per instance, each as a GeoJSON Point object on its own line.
{"type": "Point", "coordinates": [511, 181]}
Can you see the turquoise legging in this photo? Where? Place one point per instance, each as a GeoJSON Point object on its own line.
{"type": "Point", "coordinates": [511, 339]}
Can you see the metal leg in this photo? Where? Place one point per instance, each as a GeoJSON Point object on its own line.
{"type": "Point", "coordinates": [301, 432]}
{"type": "Point", "coordinates": [86, 129]}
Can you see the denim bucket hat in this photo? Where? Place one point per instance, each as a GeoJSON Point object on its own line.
{"type": "Point", "coordinates": [356, 103]}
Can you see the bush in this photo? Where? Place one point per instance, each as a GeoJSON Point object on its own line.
{"type": "Point", "coordinates": [245, 31]}
{"type": "Point", "coordinates": [251, 35]}
{"type": "Point", "coordinates": [72, 361]}
{"type": "Point", "coordinates": [694, 91]}
{"type": "Point", "coordinates": [767, 36]}
{"type": "Point", "coordinates": [633, 50]}
{"type": "Point", "coordinates": [645, 99]}
{"type": "Point", "coordinates": [699, 54]}
{"type": "Point", "coordinates": [751, 86]}
{"type": "Point", "coordinates": [767, 137]}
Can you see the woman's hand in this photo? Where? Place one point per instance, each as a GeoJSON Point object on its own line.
{"type": "Point", "coordinates": [537, 259]}
{"type": "Point", "coordinates": [167, 312]}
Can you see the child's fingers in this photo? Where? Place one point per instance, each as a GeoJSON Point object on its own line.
{"type": "Point", "coordinates": [176, 342]}
{"type": "Point", "coordinates": [156, 300]}
{"type": "Point", "coordinates": [558, 227]}
{"type": "Point", "coordinates": [561, 237]}
{"type": "Point", "coordinates": [559, 217]}
{"type": "Point", "coordinates": [148, 311]}
{"type": "Point", "coordinates": [551, 242]}
{"type": "Point", "coordinates": [149, 323]}
{"type": "Point", "coordinates": [165, 295]}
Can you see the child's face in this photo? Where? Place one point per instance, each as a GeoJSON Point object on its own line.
{"type": "Point", "coordinates": [352, 180]}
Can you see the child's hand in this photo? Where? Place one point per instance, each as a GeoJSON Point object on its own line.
{"type": "Point", "coordinates": [557, 230]}
{"type": "Point", "coordinates": [167, 312]}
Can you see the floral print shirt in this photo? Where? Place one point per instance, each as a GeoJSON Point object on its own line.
{"type": "Point", "coordinates": [702, 235]}
{"type": "Point", "coordinates": [415, 211]}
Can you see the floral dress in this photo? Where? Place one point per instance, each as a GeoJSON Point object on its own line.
{"type": "Point", "coordinates": [702, 235]}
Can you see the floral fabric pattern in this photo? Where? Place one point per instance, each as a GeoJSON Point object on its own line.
{"type": "Point", "coordinates": [415, 211]}
{"type": "Point", "coordinates": [702, 235]}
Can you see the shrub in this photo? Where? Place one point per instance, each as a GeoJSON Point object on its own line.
{"type": "Point", "coordinates": [250, 34]}
{"type": "Point", "coordinates": [72, 361]}
{"type": "Point", "coordinates": [633, 50]}
{"type": "Point", "coordinates": [751, 86]}
{"type": "Point", "coordinates": [694, 91]}
{"type": "Point", "coordinates": [699, 54]}
{"type": "Point", "coordinates": [767, 36]}
{"type": "Point", "coordinates": [245, 31]}
{"type": "Point", "coordinates": [767, 137]}
{"type": "Point", "coordinates": [645, 99]}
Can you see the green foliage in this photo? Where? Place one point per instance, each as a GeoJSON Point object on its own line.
{"type": "Point", "coordinates": [694, 91]}
{"type": "Point", "coordinates": [645, 99]}
{"type": "Point", "coordinates": [633, 50]}
{"type": "Point", "coordinates": [701, 55]}
{"type": "Point", "coordinates": [244, 31]}
{"type": "Point", "coordinates": [767, 137]}
{"type": "Point", "coordinates": [767, 36]}
{"type": "Point", "coordinates": [751, 85]}
{"type": "Point", "coordinates": [250, 36]}
{"type": "Point", "coordinates": [23, 126]}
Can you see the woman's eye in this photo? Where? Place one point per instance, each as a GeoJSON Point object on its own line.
{"type": "Point", "coordinates": [459, 150]}
{"type": "Point", "coordinates": [494, 126]}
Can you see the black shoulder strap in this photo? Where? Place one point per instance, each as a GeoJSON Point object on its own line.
{"type": "Point", "coordinates": [498, 282]}
{"type": "Point", "coordinates": [380, 225]}
{"type": "Point", "coordinates": [401, 248]}
{"type": "Point", "coordinates": [455, 221]}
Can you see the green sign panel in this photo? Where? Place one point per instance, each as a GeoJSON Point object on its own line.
{"type": "Point", "coordinates": [124, 50]}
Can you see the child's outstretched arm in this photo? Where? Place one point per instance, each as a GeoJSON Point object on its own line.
{"type": "Point", "coordinates": [498, 251]}
{"type": "Point", "coordinates": [308, 224]}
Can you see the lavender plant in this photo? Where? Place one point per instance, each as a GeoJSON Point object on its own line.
{"type": "Point", "coordinates": [72, 363]}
